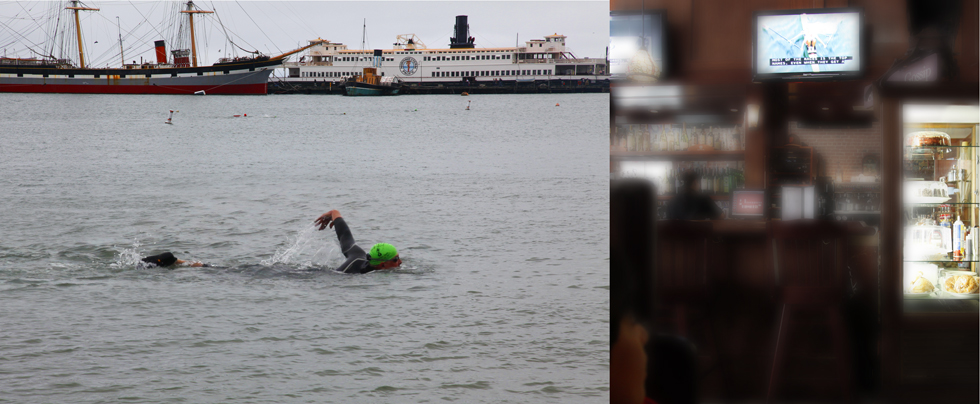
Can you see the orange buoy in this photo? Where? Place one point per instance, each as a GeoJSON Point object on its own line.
{"type": "Point", "coordinates": [556, 104]}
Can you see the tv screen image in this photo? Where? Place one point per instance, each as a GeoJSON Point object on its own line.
{"type": "Point", "coordinates": [808, 43]}
{"type": "Point", "coordinates": [636, 45]}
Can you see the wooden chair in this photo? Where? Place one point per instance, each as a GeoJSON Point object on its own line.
{"type": "Point", "coordinates": [683, 284]}
{"type": "Point", "coordinates": [809, 273]}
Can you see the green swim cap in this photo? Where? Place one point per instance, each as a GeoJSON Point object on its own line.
{"type": "Point", "coordinates": [382, 252]}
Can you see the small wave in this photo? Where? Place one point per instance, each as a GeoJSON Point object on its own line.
{"type": "Point", "coordinates": [482, 385]}
{"type": "Point", "coordinates": [442, 358]}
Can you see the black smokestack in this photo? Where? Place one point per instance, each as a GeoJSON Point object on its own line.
{"type": "Point", "coordinates": [462, 40]}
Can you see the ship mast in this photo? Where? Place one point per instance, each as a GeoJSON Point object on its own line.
{"type": "Point", "coordinates": [190, 15]}
{"type": "Point", "coordinates": [119, 30]}
{"type": "Point", "coordinates": [78, 29]}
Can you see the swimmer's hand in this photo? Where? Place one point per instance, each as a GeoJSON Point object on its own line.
{"type": "Point", "coordinates": [327, 219]}
{"type": "Point", "coordinates": [193, 264]}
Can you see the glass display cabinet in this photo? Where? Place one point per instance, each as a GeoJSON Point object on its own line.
{"type": "Point", "coordinates": [940, 211]}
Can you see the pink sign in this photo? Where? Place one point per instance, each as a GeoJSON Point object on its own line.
{"type": "Point", "coordinates": [748, 203]}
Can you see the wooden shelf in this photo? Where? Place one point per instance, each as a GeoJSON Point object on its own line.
{"type": "Point", "coordinates": [714, 197]}
{"type": "Point", "coordinates": [731, 155]}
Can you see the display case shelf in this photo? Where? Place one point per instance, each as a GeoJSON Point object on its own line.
{"type": "Point", "coordinates": [935, 204]}
{"type": "Point", "coordinates": [950, 261]}
{"type": "Point", "coordinates": [722, 155]}
{"type": "Point", "coordinates": [714, 197]}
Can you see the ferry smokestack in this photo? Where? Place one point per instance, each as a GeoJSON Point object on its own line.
{"type": "Point", "coordinates": [161, 52]}
{"type": "Point", "coordinates": [462, 40]}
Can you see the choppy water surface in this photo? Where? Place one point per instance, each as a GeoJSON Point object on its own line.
{"type": "Point", "coordinates": [499, 213]}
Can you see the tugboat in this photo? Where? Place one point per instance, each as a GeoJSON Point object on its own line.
{"type": "Point", "coordinates": [370, 83]}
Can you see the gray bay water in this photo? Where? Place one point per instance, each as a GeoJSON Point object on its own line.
{"type": "Point", "coordinates": [499, 213]}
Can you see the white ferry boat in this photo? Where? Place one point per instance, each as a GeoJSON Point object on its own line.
{"type": "Point", "coordinates": [411, 62]}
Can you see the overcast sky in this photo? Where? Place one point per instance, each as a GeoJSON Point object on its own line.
{"type": "Point", "coordinates": [278, 26]}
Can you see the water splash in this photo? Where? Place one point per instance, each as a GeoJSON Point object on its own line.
{"type": "Point", "coordinates": [310, 248]}
{"type": "Point", "coordinates": [128, 257]}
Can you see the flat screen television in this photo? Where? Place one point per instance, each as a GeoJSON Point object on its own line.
{"type": "Point", "coordinates": [748, 204]}
{"type": "Point", "coordinates": [811, 44]}
{"type": "Point", "coordinates": [636, 45]}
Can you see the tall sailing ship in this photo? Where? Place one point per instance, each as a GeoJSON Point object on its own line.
{"type": "Point", "coordinates": [410, 61]}
{"type": "Point", "coordinates": [178, 73]}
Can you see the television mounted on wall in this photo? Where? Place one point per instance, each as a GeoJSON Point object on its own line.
{"type": "Point", "coordinates": [808, 45]}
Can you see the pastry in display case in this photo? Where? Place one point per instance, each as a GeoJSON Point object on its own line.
{"type": "Point", "coordinates": [961, 284]}
{"type": "Point", "coordinates": [917, 139]}
{"type": "Point", "coordinates": [921, 280]}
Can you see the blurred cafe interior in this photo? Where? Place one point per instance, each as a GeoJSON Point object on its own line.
{"type": "Point", "coordinates": [793, 187]}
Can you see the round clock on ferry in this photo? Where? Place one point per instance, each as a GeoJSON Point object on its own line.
{"type": "Point", "coordinates": [408, 66]}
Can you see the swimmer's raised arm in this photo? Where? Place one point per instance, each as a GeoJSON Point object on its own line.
{"type": "Point", "coordinates": [327, 219]}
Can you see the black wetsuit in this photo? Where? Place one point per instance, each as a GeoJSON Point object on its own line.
{"type": "Point", "coordinates": [357, 260]}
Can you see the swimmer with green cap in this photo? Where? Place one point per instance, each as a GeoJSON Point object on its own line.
{"type": "Point", "coordinates": [381, 256]}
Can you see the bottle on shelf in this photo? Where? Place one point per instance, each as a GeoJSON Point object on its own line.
{"type": "Point", "coordinates": [631, 139]}
{"type": "Point", "coordinates": [737, 137]}
{"type": "Point", "coordinates": [624, 132]}
{"type": "Point", "coordinates": [671, 139]}
{"type": "Point", "coordinates": [703, 180]}
{"type": "Point", "coordinates": [685, 141]}
{"type": "Point", "coordinates": [710, 137]}
{"type": "Point", "coordinates": [707, 179]}
{"type": "Point", "coordinates": [958, 238]}
{"type": "Point", "coordinates": [716, 180]}
{"type": "Point", "coordinates": [726, 184]}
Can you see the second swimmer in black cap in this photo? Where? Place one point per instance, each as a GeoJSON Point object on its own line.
{"type": "Point", "coordinates": [168, 259]}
